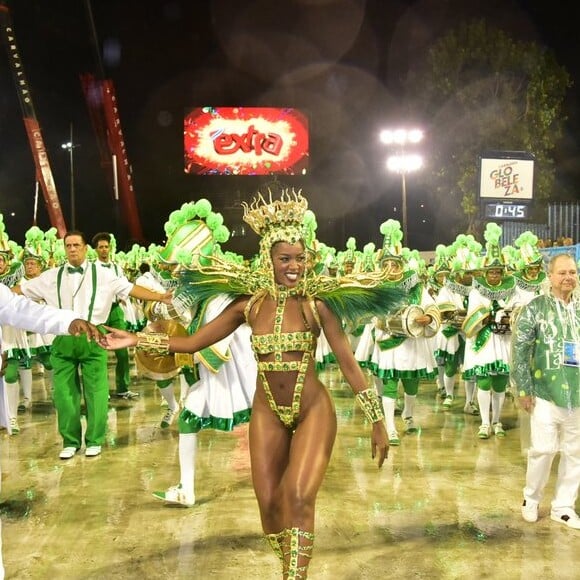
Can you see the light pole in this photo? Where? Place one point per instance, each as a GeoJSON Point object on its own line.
{"type": "Point", "coordinates": [69, 146]}
{"type": "Point", "coordinates": [403, 162]}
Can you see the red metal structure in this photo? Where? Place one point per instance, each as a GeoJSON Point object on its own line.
{"type": "Point", "coordinates": [104, 112]}
{"type": "Point", "coordinates": [43, 170]}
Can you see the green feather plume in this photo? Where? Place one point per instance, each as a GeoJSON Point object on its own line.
{"type": "Point", "coordinates": [356, 304]}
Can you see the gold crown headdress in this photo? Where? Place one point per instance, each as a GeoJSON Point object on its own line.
{"type": "Point", "coordinates": [282, 220]}
{"type": "Point", "coordinates": [277, 221]}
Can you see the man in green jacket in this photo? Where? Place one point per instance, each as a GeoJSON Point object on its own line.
{"type": "Point", "coordinates": [545, 371]}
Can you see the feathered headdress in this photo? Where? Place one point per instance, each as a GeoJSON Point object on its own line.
{"type": "Point", "coordinates": [393, 235]}
{"type": "Point", "coordinates": [35, 246]}
{"type": "Point", "coordinates": [5, 249]}
{"type": "Point", "coordinates": [493, 255]}
{"type": "Point", "coordinates": [193, 231]}
{"type": "Point", "coordinates": [527, 243]}
{"type": "Point", "coordinates": [349, 297]}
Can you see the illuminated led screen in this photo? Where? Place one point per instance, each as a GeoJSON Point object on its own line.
{"type": "Point", "coordinates": [245, 141]}
{"type": "Point", "coordinates": [507, 178]}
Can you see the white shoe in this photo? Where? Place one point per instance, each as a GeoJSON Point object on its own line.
{"type": "Point", "coordinates": [484, 431]}
{"type": "Point", "coordinates": [448, 402]}
{"type": "Point", "coordinates": [394, 439]}
{"type": "Point", "coordinates": [530, 511]}
{"type": "Point", "coordinates": [93, 451]}
{"type": "Point", "coordinates": [567, 517]}
{"type": "Point", "coordinates": [168, 418]}
{"type": "Point", "coordinates": [175, 495]}
{"type": "Point", "coordinates": [498, 430]}
{"type": "Point", "coordinates": [410, 426]}
{"type": "Point", "coordinates": [471, 409]}
{"type": "Point", "coordinates": [14, 426]}
{"type": "Point", "coordinates": [68, 453]}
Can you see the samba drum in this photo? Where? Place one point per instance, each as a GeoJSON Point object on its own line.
{"type": "Point", "coordinates": [456, 319]}
{"type": "Point", "coordinates": [502, 325]}
{"type": "Point", "coordinates": [403, 322]}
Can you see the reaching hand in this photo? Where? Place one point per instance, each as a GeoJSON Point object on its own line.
{"type": "Point", "coordinates": [379, 442]}
{"type": "Point", "coordinates": [167, 298]}
{"type": "Point", "coordinates": [78, 327]}
{"type": "Point", "coordinates": [116, 339]}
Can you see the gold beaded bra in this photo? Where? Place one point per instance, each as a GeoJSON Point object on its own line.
{"type": "Point", "coordinates": [278, 343]}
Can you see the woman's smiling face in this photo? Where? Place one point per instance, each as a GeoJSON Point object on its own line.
{"type": "Point", "coordinates": [289, 262]}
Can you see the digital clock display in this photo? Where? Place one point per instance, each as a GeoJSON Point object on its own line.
{"type": "Point", "coordinates": [506, 211]}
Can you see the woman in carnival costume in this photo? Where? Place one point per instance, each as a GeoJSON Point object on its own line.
{"type": "Point", "coordinates": [293, 422]}
{"type": "Point", "coordinates": [487, 328]}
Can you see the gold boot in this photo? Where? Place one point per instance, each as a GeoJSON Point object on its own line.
{"type": "Point", "coordinates": [297, 549]}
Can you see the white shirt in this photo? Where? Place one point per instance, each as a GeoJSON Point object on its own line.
{"type": "Point", "coordinates": [21, 312]}
{"type": "Point", "coordinates": [75, 291]}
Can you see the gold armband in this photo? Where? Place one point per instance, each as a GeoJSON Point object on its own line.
{"type": "Point", "coordinates": [371, 405]}
{"type": "Point", "coordinates": [184, 359]}
{"type": "Point", "coordinates": [153, 343]}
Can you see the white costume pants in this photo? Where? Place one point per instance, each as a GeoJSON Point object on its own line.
{"type": "Point", "coordinates": [554, 429]}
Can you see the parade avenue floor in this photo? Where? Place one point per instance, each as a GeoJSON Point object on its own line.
{"type": "Point", "coordinates": [445, 505]}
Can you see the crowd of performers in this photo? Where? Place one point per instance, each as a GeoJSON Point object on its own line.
{"type": "Point", "coordinates": [442, 322]}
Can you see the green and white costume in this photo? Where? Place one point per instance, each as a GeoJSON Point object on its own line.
{"type": "Point", "coordinates": [89, 291]}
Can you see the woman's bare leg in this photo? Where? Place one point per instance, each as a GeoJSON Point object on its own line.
{"type": "Point", "coordinates": [269, 452]}
{"type": "Point", "coordinates": [309, 456]}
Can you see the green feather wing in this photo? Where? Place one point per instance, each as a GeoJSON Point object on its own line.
{"type": "Point", "coordinates": [197, 285]}
{"type": "Point", "coordinates": [356, 300]}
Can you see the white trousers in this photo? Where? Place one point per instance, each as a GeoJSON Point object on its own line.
{"type": "Point", "coordinates": [554, 429]}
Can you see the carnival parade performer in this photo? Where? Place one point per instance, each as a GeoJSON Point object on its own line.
{"type": "Point", "coordinates": [491, 302]}
{"type": "Point", "coordinates": [35, 258]}
{"type": "Point", "coordinates": [15, 345]}
{"type": "Point", "coordinates": [529, 274]}
{"type": "Point", "coordinates": [89, 291]}
{"type": "Point", "coordinates": [400, 355]}
{"type": "Point", "coordinates": [219, 382]}
{"type": "Point", "coordinates": [452, 300]}
{"type": "Point", "coordinates": [293, 422]}
{"type": "Point", "coordinates": [104, 246]}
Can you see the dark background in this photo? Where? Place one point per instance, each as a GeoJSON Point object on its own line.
{"type": "Point", "coordinates": [341, 62]}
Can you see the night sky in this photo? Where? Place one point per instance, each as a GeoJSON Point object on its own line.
{"type": "Point", "coordinates": [339, 61]}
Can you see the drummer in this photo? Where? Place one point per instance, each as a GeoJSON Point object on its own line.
{"type": "Point", "coordinates": [398, 348]}
{"type": "Point", "coordinates": [530, 274]}
{"type": "Point", "coordinates": [487, 328]}
{"type": "Point", "coordinates": [452, 303]}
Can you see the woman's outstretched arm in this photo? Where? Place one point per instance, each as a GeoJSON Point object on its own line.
{"type": "Point", "coordinates": [210, 333]}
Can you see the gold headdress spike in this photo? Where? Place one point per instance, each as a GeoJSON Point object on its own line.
{"type": "Point", "coordinates": [286, 212]}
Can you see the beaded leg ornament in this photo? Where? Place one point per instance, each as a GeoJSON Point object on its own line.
{"type": "Point", "coordinates": [298, 545]}
{"type": "Point", "coordinates": [275, 542]}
